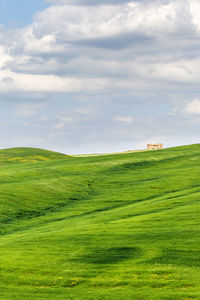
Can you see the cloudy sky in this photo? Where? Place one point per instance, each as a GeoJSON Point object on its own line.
{"type": "Point", "coordinates": [83, 76]}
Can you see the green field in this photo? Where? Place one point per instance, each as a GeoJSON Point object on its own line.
{"type": "Point", "coordinates": [124, 226]}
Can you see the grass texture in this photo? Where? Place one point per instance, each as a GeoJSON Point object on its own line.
{"type": "Point", "coordinates": [124, 226]}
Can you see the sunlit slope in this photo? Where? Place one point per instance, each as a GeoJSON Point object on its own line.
{"type": "Point", "coordinates": [109, 227]}
{"type": "Point", "coordinates": [21, 154]}
{"type": "Point", "coordinates": [26, 186]}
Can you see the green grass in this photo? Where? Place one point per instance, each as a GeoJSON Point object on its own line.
{"type": "Point", "coordinates": [124, 226]}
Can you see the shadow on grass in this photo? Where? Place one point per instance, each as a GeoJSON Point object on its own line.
{"type": "Point", "coordinates": [111, 255]}
{"type": "Point", "coordinates": [178, 257]}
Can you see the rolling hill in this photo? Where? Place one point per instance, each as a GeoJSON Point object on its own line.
{"type": "Point", "coordinates": [124, 226]}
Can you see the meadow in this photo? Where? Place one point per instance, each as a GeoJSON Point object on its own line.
{"type": "Point", "coordinates": [123, 226]}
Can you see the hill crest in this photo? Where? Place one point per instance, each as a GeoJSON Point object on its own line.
{"type": "Point", "coordinates": [28, 154]}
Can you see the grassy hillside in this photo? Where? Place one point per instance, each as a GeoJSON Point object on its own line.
{"type": "Point", "coordinates": [124, 226]}
{"type": "Point", "coordinates": [28, 155]}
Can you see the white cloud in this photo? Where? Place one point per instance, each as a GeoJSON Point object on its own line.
{"type": "Point", "coordinates": [81, 49]}
{"type": "Point", "coordinates": [63, 121]}
{"type": "Point", "coordinates": [174, 112]}
{"type": "Point", "coordinates": [94, 22]}
{"type": "Point", "coordinates": [193, 108]}
{"type": "Point", "coordinates": [195, 12]}
{"type": "Point", "coordinates": [4, 57]}
{"type": "Point", "coordinates": [7, 80]}
{"type": "Point", "coordinates": [69, 48]}
{"type": "Point", "coordinates": [27, 109]}
{"type": "Point", "coordinates": [124, 119]}
{"type": "Point", "coordinates": [48, 83]}
{"type": "Point", "coordinates": [86, 111]}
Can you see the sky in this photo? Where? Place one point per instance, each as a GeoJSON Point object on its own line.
{"type": "Point", "coordinates": [91, 76]}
